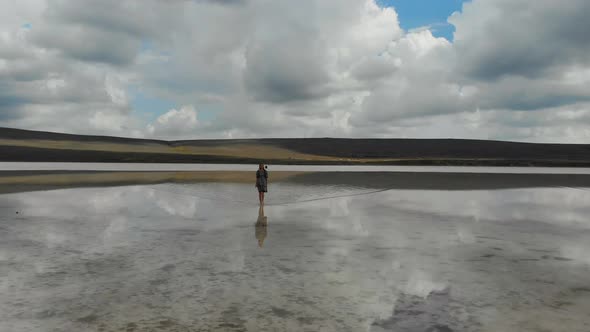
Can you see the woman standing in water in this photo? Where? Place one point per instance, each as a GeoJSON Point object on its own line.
{"type": "Point", "coordinates": [261, 181]}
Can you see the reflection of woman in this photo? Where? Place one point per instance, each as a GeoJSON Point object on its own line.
{"type": "Point", "coordinates": [261, 226]}
{"type": "Point", "coordinates": [261, 182]}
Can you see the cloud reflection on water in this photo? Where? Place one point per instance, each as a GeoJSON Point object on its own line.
{"type": "Point", "coordinates": [130, 254]}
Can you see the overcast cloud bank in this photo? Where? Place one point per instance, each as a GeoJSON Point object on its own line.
{"type": "Point", "coordinates": [516, 69]}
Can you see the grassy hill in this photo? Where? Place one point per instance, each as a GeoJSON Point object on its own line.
{"type": "Point", "coordinates": [25, 145]}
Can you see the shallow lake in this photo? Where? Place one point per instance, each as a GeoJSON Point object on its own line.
{"type": "Point", "coordinates": [48, 166]}
{"type": "Point", "coordinates": [329, 252]}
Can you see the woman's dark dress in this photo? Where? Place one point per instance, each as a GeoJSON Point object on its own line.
{"type": "Point", "coordinates": [261, 180]}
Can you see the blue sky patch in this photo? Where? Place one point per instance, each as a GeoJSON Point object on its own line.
{"type": "Point", "coordinates": [149, 107]}
{"type": "Point", "coordinates": [419, 13]}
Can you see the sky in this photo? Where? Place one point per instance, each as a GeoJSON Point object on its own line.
{"type": "Point", "coordinates": [178, 69]}
{"type": "Point", "coordinates": [432, 14]}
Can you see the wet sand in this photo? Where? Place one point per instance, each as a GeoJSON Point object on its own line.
{"type": "Point", "coordinates": [329, 252]}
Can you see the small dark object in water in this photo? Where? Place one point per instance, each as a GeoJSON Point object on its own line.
{"type": "Point", "coordinates": [439, 328]}
{"type": "Point", "coordinates": [16, 212]}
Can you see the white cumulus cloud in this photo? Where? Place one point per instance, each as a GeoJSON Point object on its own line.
{"type": "Point", "coordinates": [175, 123]}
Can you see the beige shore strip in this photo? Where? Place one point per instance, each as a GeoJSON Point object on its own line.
{"type": "Point", "coordinates": [231, 150]}
{"type": "Point", "coordinates": [248, 151]}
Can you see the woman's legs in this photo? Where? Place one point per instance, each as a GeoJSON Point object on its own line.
{"type": "Point", "coordinates": [260, 197]}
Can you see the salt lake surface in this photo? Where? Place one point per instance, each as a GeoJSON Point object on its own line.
{"type": "Point", "coordinates": [73, 166]}
{"type": "Point", "coordinates": [320, 256]}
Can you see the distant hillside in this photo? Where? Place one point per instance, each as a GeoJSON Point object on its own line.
{"type": "Point", "coordinates": [25, 145]}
